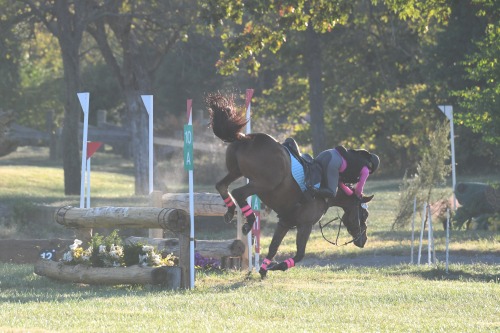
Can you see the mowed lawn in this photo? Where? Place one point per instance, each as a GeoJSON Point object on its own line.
{"type": "Point", "coordinates": [331, 298]}
{"type": "Point", "coordinates": [322, 299]}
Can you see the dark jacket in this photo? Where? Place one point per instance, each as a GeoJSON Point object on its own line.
{"type": "Point", "coordinates": [356, 159]}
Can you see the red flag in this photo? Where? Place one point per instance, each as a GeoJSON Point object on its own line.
{"type": "Point", "coordinates": [92, 148]}
{"type": "Point", "coordinates": [189, 108]}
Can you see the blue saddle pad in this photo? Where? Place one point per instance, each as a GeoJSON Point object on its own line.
{"type": "Point", "coordinates": [297, 171]}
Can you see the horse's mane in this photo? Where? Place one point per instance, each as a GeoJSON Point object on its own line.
{"type": "Point", "coordinates": [225, 120]}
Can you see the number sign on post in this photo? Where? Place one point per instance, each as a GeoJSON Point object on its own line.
{"type": "Point", "coordinates": [188, 147]}
{"type": "Point", "coordinates": [189, 165]}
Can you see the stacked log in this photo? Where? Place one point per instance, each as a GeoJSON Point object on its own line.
{"type": "Point", "coordinates": [216, 249]}
{"type": "Point", "coordinates": [205, 204]}
{"type": "Point", "coordinates": [127, 217]}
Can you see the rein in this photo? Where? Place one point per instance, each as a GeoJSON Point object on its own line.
{"type": "Point", "coordinates": [336, 243]}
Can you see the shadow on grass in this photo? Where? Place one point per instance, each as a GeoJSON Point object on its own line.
{"type": "Point", "coordinates": [455, 274]}
{"type": "Point", "coordinates": [455, 235]}
{"type": "Point", "coordinates": [482, 273]}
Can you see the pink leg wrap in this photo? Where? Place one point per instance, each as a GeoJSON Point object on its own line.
{"type": "Point", "coordinates": [229, 202]}
{"type": "Point", "coordinates": [247, 210]}
{"type": "Point", "coordinates": [265, 263]}
{"type": "Point", "coordinates": [290, 262]}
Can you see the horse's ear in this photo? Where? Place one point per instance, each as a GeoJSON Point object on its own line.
{"type": "Point", "coordinates": [368, 198]}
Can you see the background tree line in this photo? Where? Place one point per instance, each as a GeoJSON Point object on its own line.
{"type": "Point", "coordinates": [362, 73]}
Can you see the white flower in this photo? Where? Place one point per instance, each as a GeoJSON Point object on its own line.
{"type": "Point", "coordinates": [156, 259]}
{"type": "Point", "coordinates": [75, 244]}
{"type": "Point", "coordinates": [102, 248]}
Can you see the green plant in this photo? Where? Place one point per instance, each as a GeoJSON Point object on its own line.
{"type": "Point", "coordinates": [431, 172]}
{"type": "Point", "coordinates": [109, 252]}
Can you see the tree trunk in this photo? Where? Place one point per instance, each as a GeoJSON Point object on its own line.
{"type": "Point", "coordinates": [312, 57]}
{"type": "Point", "coordinates": [72, 113]}
{"type": "Point", "coordinates": [69, 34]}
{"type": "Point", "coordinates": [136, 82]}
{"type": "Point", "coordinates": [138, 118]}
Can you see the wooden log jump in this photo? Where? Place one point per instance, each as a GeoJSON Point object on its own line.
{"type": "Point", "coordinates": [205, 204]}
{"type": "Point", "coordinates": [168, 277]}
{"type": "Point", "coordinates": [208, 248]}
{"type": "Point", "coordinates": [176, 220]}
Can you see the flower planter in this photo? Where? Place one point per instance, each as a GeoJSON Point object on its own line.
{"type": "Point", "coordinates": [169, 277]}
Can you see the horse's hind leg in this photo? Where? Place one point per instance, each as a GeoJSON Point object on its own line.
{"type": "Point", "coordinates": [222, 187]}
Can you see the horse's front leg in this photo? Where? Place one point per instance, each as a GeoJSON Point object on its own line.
{"type": "Point", "coordinates": [279, 234]}
{"type": "Point", "coordinates": [222, 188]}
{"type": "Point", "coordinates": [241, 194]}
{"type": "Point", "coordinates": [303, 233]}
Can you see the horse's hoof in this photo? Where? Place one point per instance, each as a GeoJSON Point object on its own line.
{"type": "Point", "coordinates": [246, 228]}
{"type": "Point", "coordinates": [263, 273]}
{"type": "Point", "coordinates": [228, 217]}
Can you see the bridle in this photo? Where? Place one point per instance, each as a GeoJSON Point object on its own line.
{"type": "Point", "coordinates": [336, 243]}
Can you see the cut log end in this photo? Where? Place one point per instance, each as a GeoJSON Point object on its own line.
{"type": "Point", "coordinates": [176, 220]}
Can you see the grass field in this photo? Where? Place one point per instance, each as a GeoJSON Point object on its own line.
{"type": "Point", "coordinates": [326, 298]}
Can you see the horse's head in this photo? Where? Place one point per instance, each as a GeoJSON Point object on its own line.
{"type": "Point", "coordinates": [355, 215]}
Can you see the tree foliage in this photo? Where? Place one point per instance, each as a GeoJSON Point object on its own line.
{"type": "Point", "coordinates": [480, 99]}
{"type": "Point", "coordinates": [366, 74]}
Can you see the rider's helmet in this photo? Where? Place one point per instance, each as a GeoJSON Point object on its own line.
{"type": "Point", "coordinates": [373, 163]}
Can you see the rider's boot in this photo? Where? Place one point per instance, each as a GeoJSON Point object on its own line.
{"type": "Point", "coordinates": [325, 193]}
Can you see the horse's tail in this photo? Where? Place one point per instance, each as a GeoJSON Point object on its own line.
{"type": "Point", "coordinates": [225, 120]}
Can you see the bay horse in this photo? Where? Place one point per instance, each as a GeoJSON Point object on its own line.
{"type": "Point", "coordinates": [266, 164]}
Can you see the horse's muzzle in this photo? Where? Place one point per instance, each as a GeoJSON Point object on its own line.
{"type": "Point", "coordinates": [361, 240]}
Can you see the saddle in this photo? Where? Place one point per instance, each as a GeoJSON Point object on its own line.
{"type": "Point", "coordinates": [312, 169]}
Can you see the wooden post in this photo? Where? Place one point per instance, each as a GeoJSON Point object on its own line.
{"type": "Point", "coordinates": [184, 257]}
{"type": "Point", "coordinates": [155, 199]}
